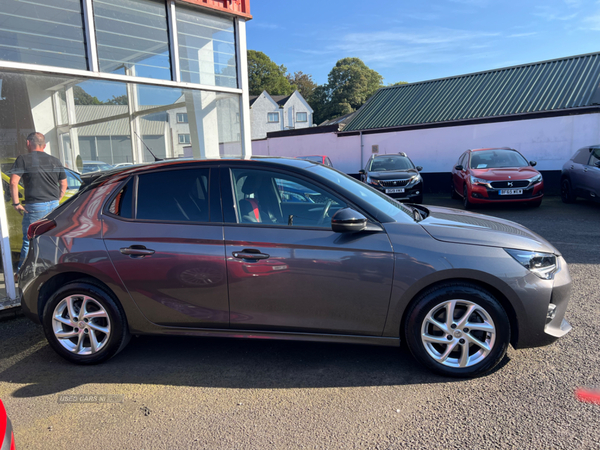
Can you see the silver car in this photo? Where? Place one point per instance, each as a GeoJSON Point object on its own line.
{"type": "Point", "coordinates": [581, 175]}
{"type": "Point", "coordinates": [286, 249]}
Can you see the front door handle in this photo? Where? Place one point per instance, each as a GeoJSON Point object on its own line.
{"type": "Point", "coordinates": [250, 254]}
{"type": "Point", "coordinates": [136, 250]}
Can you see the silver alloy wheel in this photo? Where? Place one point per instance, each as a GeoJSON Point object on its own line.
{"type": "Point", "coordinates": [458, 333]}
{"type": "Point", "coordinates": [81, 324]}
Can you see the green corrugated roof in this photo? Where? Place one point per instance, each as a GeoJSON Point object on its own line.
{"type": "Point", "coordinates": [559, 84]}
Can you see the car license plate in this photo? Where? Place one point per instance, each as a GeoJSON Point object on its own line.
{"type": "Point", "coordinates": [394, 191]}
{"type": "Point", "coordinates": [511, 191]}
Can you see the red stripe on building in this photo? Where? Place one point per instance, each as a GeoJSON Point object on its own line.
{"type": "Point", "coordinates": [235, 7]}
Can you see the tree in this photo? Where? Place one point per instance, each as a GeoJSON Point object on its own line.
{"type": "Point", "coordinates": [304, 84]}
{"type": "Point", "coordinates": [349, 85]}
{"type": "Point", "coordinates": [265, 75]}
{"type": "Point", "coordinates": [398, 83]}
{"type": "Point", "coordinates": [81, 97]}
{"type": "Point", "coordinates": [120, 100]}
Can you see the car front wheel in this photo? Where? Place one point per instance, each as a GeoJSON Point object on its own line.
{"type": "Point", "coordinates": [84, 324]}
{"type": "Point", "coordinates": [458, 330]}
{"type": "Point", "coordinates": [466, 203]}
{"type": "Point", "coordinates": [566, 192]}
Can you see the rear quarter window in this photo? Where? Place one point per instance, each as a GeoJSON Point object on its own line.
{"type": "Point", "coordinates": [581, 156]}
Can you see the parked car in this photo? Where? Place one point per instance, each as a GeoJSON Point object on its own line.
{"type": "Point", "coordinates": [14, 217]}
{"type": "Point", "coordinates": [581, 175]}
{"type": "Point", "coordinates": [496, 175]}
{"type": "Point", "coordinates": [317, 158]}
{"type": "Point", "coordinates": [7, 438]}
{"type": "Point", "coordinates": [394, 175]}
{"type": "Point", "coordinates": [352, 267]}
{"type": "Point", "coordinates": [95, 166]}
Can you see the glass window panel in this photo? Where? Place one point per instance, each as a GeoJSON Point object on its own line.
{"type": "Point", "coordinates": [122, 204]}
{"type": "Point", "coordinates": [301, 117]}
{"type": "Point", "coordinates": [272, 117]}
{"type": "Point", "coordinates": [48, 32]}
{"type": "Point", "coordinates": [206, 48]}
{"type": "Point", "coordinates": [133, 38]}
{"type": "Point", "coordinates": [174, 195]}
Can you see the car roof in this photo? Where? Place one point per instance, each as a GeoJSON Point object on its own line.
{"type": "Point", "coordinates": [491, 148]}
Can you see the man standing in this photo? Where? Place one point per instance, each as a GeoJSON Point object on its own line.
{"type": "Point", "coordinates": [45, 183]}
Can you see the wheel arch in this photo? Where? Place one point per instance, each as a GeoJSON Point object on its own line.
{"type": "Point", "coordinates": [495, 289]}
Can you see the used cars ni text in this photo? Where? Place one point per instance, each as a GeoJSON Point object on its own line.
{"type": "Point", "coordinates": [496, 175]}
{"type": "Point", "coordinates": [394, 175]}
{"type": "Point", "coordinates": [219, 248]}
{"type": "Point", "coordinates": [581, 175]}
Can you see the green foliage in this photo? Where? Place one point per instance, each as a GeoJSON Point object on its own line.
{"type": "Point", "coordinates": [83, 98]}
{"type": "Point", "coordinates": [398, 83]}
{"type": "Point", "coordinates": [265, 75]}
{"type": "Point", "coordinates": [304, 84]}
{"type": "Point", "coordinates": [349, 85]}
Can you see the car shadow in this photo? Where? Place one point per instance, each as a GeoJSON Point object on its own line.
{"type": "Point", "coordinates": [223, 363]}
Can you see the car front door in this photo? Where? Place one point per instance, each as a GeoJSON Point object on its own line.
{"type": "Point", "coordinates": [590, 179]}
{"type": "Point", "coordinates": [164, 235]}
{"type": "Point", "coordinates": [287, 269]}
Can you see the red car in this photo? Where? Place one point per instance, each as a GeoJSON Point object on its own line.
{"type": "Point", "coordinates": [496, 175]}
{"type": "Point", "coordinates": [7, 439]}
{"type": "Point", "coordinates": [317, 158]}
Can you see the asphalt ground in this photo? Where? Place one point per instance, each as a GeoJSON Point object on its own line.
{"type": "Point", "coordinates": [200, 393]}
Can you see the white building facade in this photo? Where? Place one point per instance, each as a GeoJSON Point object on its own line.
{"type": "Point", "coordinates": [276, 113]}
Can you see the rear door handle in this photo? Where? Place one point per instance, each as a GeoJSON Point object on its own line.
{"type": "Point", "coordinates": [136, 250]}
{"type": "Point", "coordinates": [250, 254]}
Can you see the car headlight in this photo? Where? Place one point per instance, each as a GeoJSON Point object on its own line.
{"type": "Point", "coordinates": [415, 179]}
{"type": "Point", "coordinates": [480, 182]}
{"type": "Point", "coordinates": [544, 265]}
{"type": "Point", "coordinates": [373, 182]}
{"type": "Point", "coordinates": [536, 179]}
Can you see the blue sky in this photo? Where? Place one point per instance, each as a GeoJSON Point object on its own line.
{"type": "Point", "coordinates": [421, 40]}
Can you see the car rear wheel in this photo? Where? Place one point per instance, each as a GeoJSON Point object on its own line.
{"type": "Point", "coordinates": [458, 330]}
{"type": "Point", "coordinates": [566, 192]}
{"type": "Point", "coordinates": [466, 203]}
{"type": "Point", "coordinates": [84, 324]}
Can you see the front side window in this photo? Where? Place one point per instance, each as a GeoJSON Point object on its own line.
{"type": "Point", "coordinates": [133, 38]}
{"type": "Point", "coordinates": [301, 117]}
{"type": "Point", "coordinates": [182, 118]}
{"type": "Point", "coordinates": [173, 196]}
{"type": "Point", "coordinates": [391, 162]}
{"type": "Point", "coordinates": [48, 32]}
{"type": "Point", "coordinates": [497, 158]}
{"type": "Point", "coordinates": [184, 139]}
{"type": "Point", "coordinates": [273, 117]}
{"type": "Point", "coordinates": [273, 198]}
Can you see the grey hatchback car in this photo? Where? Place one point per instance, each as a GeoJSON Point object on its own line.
{"type": "Point", "coordinates": [286, 249]}
{"type": "Point", "coordinates": [581, 175]}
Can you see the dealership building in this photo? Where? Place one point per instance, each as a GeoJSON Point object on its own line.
{"type": "Point", "coordinates": [103, 79]}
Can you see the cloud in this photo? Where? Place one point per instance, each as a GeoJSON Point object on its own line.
{"type": "Point", "coordinates": [518, 35]}
{"type": "Point", "coordinates": [592, 22]}
{"type": "Point", "coordinates": [551, 14]}
{"type": "Point", "coordinates": [388, 48]}
{"type": "Point", "coordinates": [266, 25]}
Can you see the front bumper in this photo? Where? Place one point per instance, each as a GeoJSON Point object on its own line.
{"type": "Point", "coordinates": [481, 194]}
{"type": "Point", "coordinates": [557, 327]}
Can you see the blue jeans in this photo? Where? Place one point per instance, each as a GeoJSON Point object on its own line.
{"type": "Point", "coordinates": [35, 212]}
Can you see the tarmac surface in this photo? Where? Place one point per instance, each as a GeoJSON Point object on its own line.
{"type": "Point", "coordinates": [201, 393]}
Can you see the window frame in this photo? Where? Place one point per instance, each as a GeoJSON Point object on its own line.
{"type": "Point", "coordinates": [230, 209]}
{"type": "Point", "coordinates": [273, 121]}
{"type": "Point", "coordinates": [305, 115]}
{"type": "Point", "coordinates": [189, 140]}
{"type": "Point", "coordinates": [182, 114]}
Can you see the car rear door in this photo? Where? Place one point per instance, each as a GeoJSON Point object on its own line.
{"type": "Point", "coordinates": [287, 269]}
{"type": "Point", "coordinates": [590, 179]}
{"type": "Point", "coordinates": [164, 235]}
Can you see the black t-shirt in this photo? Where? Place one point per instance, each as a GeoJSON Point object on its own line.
{"type": "Point", "coordinates": [41, 174]}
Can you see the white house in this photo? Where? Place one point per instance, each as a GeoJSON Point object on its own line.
{"type": "Point", "coordinates": [278, 112]}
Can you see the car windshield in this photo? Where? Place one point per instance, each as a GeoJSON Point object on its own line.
{"type": "Point", "coordinates": [318, 159]}
{"type": "Point", "coordinates": [73, 180]}
{"type": "Point", "coordinates": [382, 202]}
{"type": "Point", "coordinates": [493, 159]}
{"type": "Point", "coordinates": [385, 163]}
{"type": "Point", "coordinates": [92, 167]}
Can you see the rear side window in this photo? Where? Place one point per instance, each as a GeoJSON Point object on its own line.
{"type": "Point", "coordinates": [173, 196]}
{"type": "Point", "coordinates": [582, 156]}
{"type": "Point", "coordinates": [123, 201]}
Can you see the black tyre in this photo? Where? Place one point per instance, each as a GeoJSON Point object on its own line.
{"type": "Point", "coordinates": [453, 194]}
{"type": "Point", "coordinates": [457, 330]}
{"type": "Point", "coordinates": [566, 192]}
{"type": "Point", "coordinates": [466, 203]}
{"type": "Point", "coordinates": [84, 324]}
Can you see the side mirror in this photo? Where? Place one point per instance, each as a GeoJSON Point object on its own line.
{"type": "Point", "coordinates": [459, 167]}
{"type": "Point", "coordinates": [362, 171]}
{"type": "Point", "coordinates": [532, 163]}
{"type": "Point", "coordinates": [348, 221]}
{"type": "Point", "coordinates": [419, 168]}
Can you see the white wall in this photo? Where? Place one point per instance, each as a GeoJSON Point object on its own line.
{"type": "Point", "coordinates": [295, 105]}
{"type": "Point", "coordinates": [550, 142]}
{"type": "Point", "coordinates": [258, 114]}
